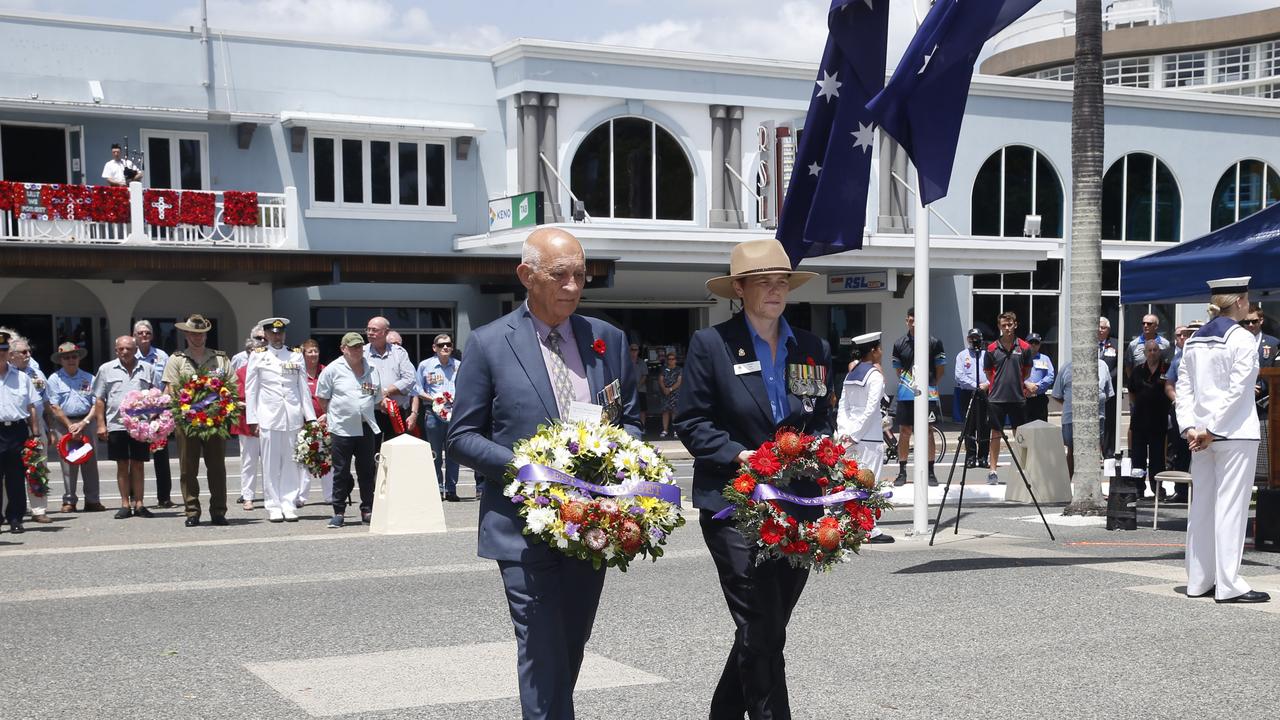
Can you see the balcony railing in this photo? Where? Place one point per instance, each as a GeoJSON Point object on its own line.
{"type": "Point", "coordinates": [277, 227]}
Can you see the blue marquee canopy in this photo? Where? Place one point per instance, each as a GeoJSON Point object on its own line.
{"type": "Point", "coordinates": [1178, 274]}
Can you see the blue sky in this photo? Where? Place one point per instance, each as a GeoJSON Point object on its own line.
{"type": "Point", "coordinates": [792, 29]}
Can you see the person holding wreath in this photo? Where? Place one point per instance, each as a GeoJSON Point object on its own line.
{"type": "Point", "coordinates": [198, 357]}
{"type": "Point", "coordinates": [743, 380]}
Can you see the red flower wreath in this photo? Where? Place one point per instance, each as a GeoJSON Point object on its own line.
{"type": "Point", "coordinates": [239, 208]}
{"type": "Point", "coordinates": [110, 204]}
{"type": "Point", "coordinates": [12, 196]}
{"type": "Point", "coordinates": [196, 208]}
{"type": "Point", "coordinates": [65, 202]}
{"type": "Point", "coordinates": [599, 347]}
{"type": "Point", "coordinates": [160, 207]}
{"type": "Point", "coordinates": [795, 467]}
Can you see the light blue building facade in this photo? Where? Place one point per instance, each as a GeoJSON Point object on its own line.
{"type": "Point", "coordinates": [666, 159]}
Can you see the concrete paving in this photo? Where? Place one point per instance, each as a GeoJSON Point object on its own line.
{"type": "Point", "coordinates": [146, 618]}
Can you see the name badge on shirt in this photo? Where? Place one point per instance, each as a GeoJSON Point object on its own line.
{"type": "Point", "coordinates": [611, 399]}
{"type": "Point", "coordinates": [584, 412]}
{"type": "Point", "coordinates": [744, 368]}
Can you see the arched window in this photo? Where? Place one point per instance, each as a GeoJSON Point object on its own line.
{"type": "Point", "coordinates": [1245, 188]}
{"type": "Point", "coordinates": [1016, 181]}
{"type": "Point", "coordinates": [1141, 201]}
{"type": "Point", "coordinates": [615, 168]}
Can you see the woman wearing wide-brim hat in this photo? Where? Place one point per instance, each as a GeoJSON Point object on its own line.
{"type": "Point", "coordinates": [735, 396]}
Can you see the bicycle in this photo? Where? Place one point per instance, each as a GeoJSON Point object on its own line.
{"type": "Point", "coordinates": [891, 437]}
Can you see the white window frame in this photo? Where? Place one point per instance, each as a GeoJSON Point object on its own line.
{"type": "Point", "coordinates": [368, 210]}
{"type": "Point", "coordinates": [175, 165]}
{"type": "Point", "coordinates": [1155, 205]}
{"type": "Point", "coordinates": [653, 173]}
{"type": "Point", "coordinates": [1238, 62]}
{"type": "Point", "coordinates": [1127, 72]}
{"type": "Point", "coordinates": [1189, 69]}
{"type": "Point", "coordinates": [1266, 185]}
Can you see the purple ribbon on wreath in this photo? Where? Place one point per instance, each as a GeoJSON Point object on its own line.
{"type": "Point", "coordinates": [535, 473]}
{"type": "Point", "coordinates": [765, 492]}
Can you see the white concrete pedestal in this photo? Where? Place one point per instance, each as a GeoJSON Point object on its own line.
{"type": "Point", "coordinates": [407, 496]}
{"type": "Point", "coordinates": [1038, 447]}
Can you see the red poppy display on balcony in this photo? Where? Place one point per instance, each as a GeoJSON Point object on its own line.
{"type": "Point", "coordinates": [66, 202]}
{"type": "Point", "coordinates": [196, 208]}
{"type": "Point", "coordinates": [11, 196]}
{"type": "Point", "coordinates": [160, 207]}
{"type": "Point", "coordinates": [239, 208]}
{"type": "Point", "coordinates": [110, 204]}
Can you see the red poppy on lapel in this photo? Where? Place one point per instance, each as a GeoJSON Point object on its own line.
{"type": "Point", "coordinates": [599, 347]}
{"type": "Point", "coordinates": [811, 362]}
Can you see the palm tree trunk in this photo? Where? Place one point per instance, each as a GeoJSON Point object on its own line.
{"type": "Point", "coordinates": [1087, 133]}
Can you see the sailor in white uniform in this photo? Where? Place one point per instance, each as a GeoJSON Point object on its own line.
{"type": "Point", "coordinates": [1214, 403]}
{"type": "Point", "coordinates": [278, 403]}
{"type": "Point", "coordinates": [859, 422]}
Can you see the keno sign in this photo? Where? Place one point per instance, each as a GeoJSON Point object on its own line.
{"type": "Point", "coordinates": [512, 212]}
{"type": "Point", "coordinates": [859, 282]}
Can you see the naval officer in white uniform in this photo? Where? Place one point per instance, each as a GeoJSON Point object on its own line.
{"type": "Point", "coordinates": [1215, 412]}
{"type": "Point", "coordinates": [859, 422]}
{"type": "Point", "coordinates": [277, 404]}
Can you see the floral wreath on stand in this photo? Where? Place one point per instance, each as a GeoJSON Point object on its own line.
{"type": "Point", "coordinates": [36, 467]}
{"type": "Point", "coordinates": [206, 405]}
{"type": "Point", "coordinates": [850, 499]}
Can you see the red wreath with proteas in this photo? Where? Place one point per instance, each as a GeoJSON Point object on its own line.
{"type": "Point", "coordinates": [810, 468]}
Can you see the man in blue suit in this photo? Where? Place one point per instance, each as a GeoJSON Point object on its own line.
{"type": "Point", "coordinates": [527, 369]}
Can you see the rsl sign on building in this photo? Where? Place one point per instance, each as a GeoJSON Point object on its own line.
{"type": "Point", "coordinates": [524, 210]}
{"type": "Point", "coordinates": [859, 282]}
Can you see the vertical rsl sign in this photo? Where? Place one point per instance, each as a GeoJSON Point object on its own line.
{"type": "Point", "coordinates": [517, 211]}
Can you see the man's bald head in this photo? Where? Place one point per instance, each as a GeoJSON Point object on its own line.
{"type": "Point", "coordinates": [553, 268]}
{"type": "Point", "coordinates": [546, 242]}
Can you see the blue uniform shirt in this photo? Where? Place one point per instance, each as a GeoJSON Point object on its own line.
{"type": "Point", "coordinates": [72, 393]}
{"type": "Point", "coordinates": [1041, 373]}
{"type": "Point", "coordinates": [774, 368]}
{"type": "Point", "coordinates": [17, 394]}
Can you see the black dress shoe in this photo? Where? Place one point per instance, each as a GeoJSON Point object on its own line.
{"type": "Point", "coordinates": [192, 521]}
{"type": "Point", "coordinates": [1206, 593]}
{"type": "Point", "coordinates": [452, 497]}
{"type": "Point", "coordinates": [124, 513]}
{"type": "Point", "coordinates": [1253, 596]}
{"type": "Point", "coordinates": [143, 513]}
{"type": "Point", "coordinates": [218, 520]}
{"type": "Point", "coordinates": [16, 528]}
{"type": "Point", "coordinates": [165, 504]}
{"type": "Point", "coordinates": [881, 539]}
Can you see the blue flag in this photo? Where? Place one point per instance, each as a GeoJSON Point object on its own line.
{"type": "Point", "coordinates": [826, 203]}
{"type": "Point", "coordinates": [923, 104]}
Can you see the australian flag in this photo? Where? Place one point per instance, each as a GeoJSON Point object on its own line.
{"type": "Point", "coordinates": [826, 203]}
{"type": "Point", "coordinates": [923, 104]}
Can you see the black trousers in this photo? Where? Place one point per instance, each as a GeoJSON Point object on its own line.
{"type": "Point", "coordinates": [164, 476]}
{"type": "Point", "coordinates": [14, 474]}
{"type": "Point", "coordinates": [1148, 450]}
{"type": "Point", "coordinates": [760, 599]}
{"type": "Point", "coordinates": [553, 600]}
{"type": "Point", "coordinates": [1109, 427]}
{"type": "Point", "coordinates": [359, 450]}
{"type": "Point", "coordinates": [1038, 408]}
{"type": "Point", "coordinates": [977, 438]}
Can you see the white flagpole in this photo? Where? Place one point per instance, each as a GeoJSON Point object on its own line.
{"type": "Point", "coordinates": [921, 371]}
{"type": "Point", "coordinates": [923, 363]}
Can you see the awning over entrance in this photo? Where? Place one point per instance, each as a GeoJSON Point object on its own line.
{"type": "Point", "coordinates": [1178, 274]}
{"type": "Point", "coordinates": [277, 268]}
{"type": "Point", "coordinates": [707, 249]}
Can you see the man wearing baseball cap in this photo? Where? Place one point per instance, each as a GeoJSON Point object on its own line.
{"type": "Point", "coordinates": [1039, 382]}
{"type": "Point", "coordinates": [349, 389]}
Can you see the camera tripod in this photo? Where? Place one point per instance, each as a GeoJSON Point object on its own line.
{"type": "Point", "coordinates": [971, 426]}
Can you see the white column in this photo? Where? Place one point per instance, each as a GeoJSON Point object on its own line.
{"type": "Point", "coordinates": [137, 230]}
